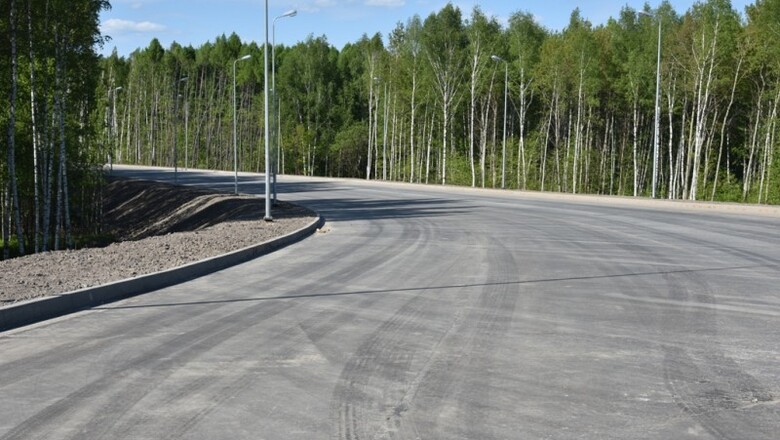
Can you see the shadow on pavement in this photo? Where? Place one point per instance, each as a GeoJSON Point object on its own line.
{"type": "Point", "coordinates": [334, 209]}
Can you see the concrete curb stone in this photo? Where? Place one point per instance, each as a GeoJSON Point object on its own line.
{"type": "Point", "coordinates": [41, 309]}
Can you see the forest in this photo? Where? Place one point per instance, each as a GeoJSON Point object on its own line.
{"type": "Point", "coordinates": [653, 103]}
{"type": "Point", "coordinates": [51, 152]}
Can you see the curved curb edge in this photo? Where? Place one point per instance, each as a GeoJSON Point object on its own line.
{"type": "Point", "coordinates": [37, 310]}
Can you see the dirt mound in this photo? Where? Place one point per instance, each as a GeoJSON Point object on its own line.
{"type": "Point", "coordinates": [136, 209]}
{"type": "Point", "coordinates": [160, 226]}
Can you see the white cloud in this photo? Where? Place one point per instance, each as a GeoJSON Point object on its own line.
{"type": "Point", "coordinates": [385, 3]}
{"type": "Point", "coordinates": [315, 6]}
{"type": "Point", "coordinates": [118, 26]}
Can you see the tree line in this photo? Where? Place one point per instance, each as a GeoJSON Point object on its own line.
{"type": "Point", "coordinates": [422, 104]}
{"type": "Point", "coordinates": [427, 104]}
{"type": "Point", "coordinates": [51, 161]}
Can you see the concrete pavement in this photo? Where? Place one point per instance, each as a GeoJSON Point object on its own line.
{"type": "Point", "coordinates": [429, 313]}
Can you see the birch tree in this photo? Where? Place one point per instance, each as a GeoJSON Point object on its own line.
{"type": "Point", "coordinates": [444, 42]}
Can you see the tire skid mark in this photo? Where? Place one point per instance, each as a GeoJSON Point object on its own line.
{"type": "Point", "coordinates": [247, 377]}
{"type": "Point", "coordinates": [321, 324]}
{"type": "Point", "coordinates": [376, 365]}
{"type": "Point", "coordinates": [669, 236]}
{"type": "Point", "coordinates": [475, 328]}
{"type": "Point", "coordinates": [491, 320]}
{"type": "Point", "coordinates": [705, 383]}
{"type": "Point", "coordinates": [124, 428]}
{"type": "Point", "coordinates": [144, 371]}
{"type": "Point", "coordinates": [222, 394]}
{"type": "Point", "coordinates": [135, 327]}
{"type": "Point", "coordinates": [741, 229]}
{"type": "Point", "coordinates": [225, 388]}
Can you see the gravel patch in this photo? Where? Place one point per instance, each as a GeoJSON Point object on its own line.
{"type": "Point", "coordinates": [197, 225]}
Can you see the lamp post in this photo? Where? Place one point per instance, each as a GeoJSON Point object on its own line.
{"type": "Point", "coordinates": [112, 129]}
{"type": "Point", "coordinates": [175, 116]}
{"type": "Point", "coordinates": [277, 120]}
{"type": "Point", "coordinates": [186, 134]}
{"type": "Point", "coordinates": [235, 119]}
{"type": "Point", "coordinates": [497, 58]}
{"type": "Point", "coordinates": [267, 217]}
{"type": "Point", "coordinates": [657, 123]}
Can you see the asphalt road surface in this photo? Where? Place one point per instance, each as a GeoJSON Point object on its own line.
{"type": "Point", "coordinates": [424, 313]}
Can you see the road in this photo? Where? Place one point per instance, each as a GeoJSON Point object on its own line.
{"type": "Point", "coordinates": [430, 313]}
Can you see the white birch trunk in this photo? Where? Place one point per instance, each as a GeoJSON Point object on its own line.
{"type": "Point", "coordinates": [14, 189]}
{"type": "Point", "coordinates": [472, 108]}
{"type": "Point", "coordinates": [370, 116]}
{"type": "Point", "coordinates": [412, 121]}
{"type": "Point", "coordinates": [635, 140]}
{"type": "Point", "coordinates": [35, 144]}
{"type": "Point", "coordinates": [704, 82]}
{"type": "Point", "coordinates": [578, 130]}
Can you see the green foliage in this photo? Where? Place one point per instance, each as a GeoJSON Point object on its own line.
{"type": "Point", "coordinates": [580, 114]}
{"type": "Point", "coordinates": [346, 154]}
{"type": "Point", "coordinates": [53, 152]}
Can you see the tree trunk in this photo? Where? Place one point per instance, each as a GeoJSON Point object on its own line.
{"type": "Point", "coordinates": [543, 165]}
{"type": "Point", "coordinates": [384, 136]}
{"type": "Point", "coordinates": [578, 128]}
{"type": "Point", "coordinates": [445, 125]}
{"type": "Point", "coordinates": [472, 110]}
{"type": "Point", "coordinates": [14, 195]}
{"type": "Point", "coordinates": [411, 123]}
{"type": "Point", "coordinates": [484, 128]}
{"type": "Point", "coordinates": [63, 199]}
{"type": "Point", "coordinates": [670, 97]}
{"type": "Point", "coordinates": [36, 200]}
{"type": "Point", "coordinates": [428, 153]}
{"type": "Point", "coordinates": [702, 107]}
{"type": "Point", "coordinates": [635, 114]}
{"type": "Point", "coordinates": [521, 141]}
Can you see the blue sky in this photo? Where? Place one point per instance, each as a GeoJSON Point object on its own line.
{"type": "Point", "coordinates": [133, 23]}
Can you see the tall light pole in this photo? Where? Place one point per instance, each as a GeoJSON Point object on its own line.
{"type": "Point", "coordinates": [277, 120]}
{"type": "Point", "coordinates": [112, 129]}
{"type": "Point", "coordinates": [657, 124]}
{"type": "Point", "coordinates": [235, 119]}
{"type": "Point", "coordinates": [175, 116]}
{"type": "Point", "coordinates": [186, 133]}
{"type": "Point", "coordinates": [267, 217]}
{"type": "Point", "coordinates": [506, 94]}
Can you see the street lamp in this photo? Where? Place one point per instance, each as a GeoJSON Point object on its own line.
{"type": "Point", "coordinates": [497, 58]}
{"type": "Point", "coordinates": [235, 119]}
{"type": "Point", "coordinates": [112, 129]}
{"type": "Point", "coordinates": [657, 124]}
{"type": "Point", "coordinates": [175, 116]}
{"type": "Point", "coordinates": [277, 118]}
{"type": "Point", "coordinates": [267, 217]}
{"type": "Point", "coordinates": [186, 134]}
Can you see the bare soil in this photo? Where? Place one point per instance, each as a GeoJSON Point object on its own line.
{"type": "Point", "coordinates": [157, 226]}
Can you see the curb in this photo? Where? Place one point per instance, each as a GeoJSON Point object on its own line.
{"type": "Point", "coordinates": [37, 310]}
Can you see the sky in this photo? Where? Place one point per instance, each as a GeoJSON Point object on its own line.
{"type": "Point", "coordinates": [132, 24]}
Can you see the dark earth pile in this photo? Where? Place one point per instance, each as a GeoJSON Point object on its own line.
{"type": "Point", "coordinates": [158, 226]}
